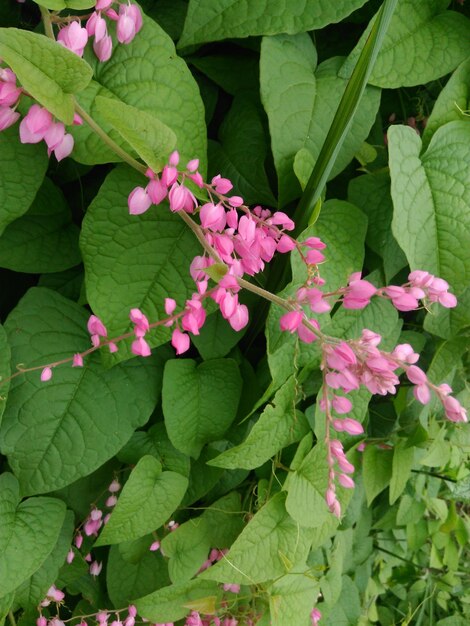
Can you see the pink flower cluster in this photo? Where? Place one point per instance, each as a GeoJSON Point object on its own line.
{"type": "Point", "coordinates": [128, 20]}
{"type": "Point", "coordinates": [242, 244]}
{"type": "Point", "coordinates": [9, 96]}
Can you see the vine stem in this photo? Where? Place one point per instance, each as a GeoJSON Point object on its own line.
{"type": "Point", "coordinates": [46, 19]}
{"type": "Point", "coordinates": [102, 134]}
{"type": "Point", "coordinates": [12, 619]}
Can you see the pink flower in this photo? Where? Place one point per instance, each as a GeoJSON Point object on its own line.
{"type": "Point", "coordinates": [141, 322]}
{"type": "Point", "coordinates": [139, 201]}
{"type": "Point", "coordinates": [240, 318]}
{"type": "Point", "coordinates": [180, 341]}
{"type": "Point", "coordinates": [222, 185]}
{"type": "Point", "coordinates": [35, 124]}
{"type": "Point", "coordinates": [212, 216]}
{"type": "Point", "coordinates": [78, 541]}
{"type": "Point", "coordinates": [154, 546]}
{"type": "Point", "coordinates": [170, 305]}
{"type": "Point", "coordinates": [231, 588]}
{"type": "Point", "coordinates": [129, 22]}
{"type": "Point", "coordinates": [140, 347]}
{"type": "Point", "coordinates": [291, 321]}
{"type": "Point", "coordinates": [348, 425]}
{"type": "Point", "coordinates": [77, 360]}
{"type": "Point", "coordinates": [346, 481]}
{"type": "Point", "coordinates": [7, 117]}
{"type": "Point", "coordinates": [46, 374]}
{"type": "Point", "coordinates": [9, 93]}
{"type": "Point", "coordinates": [285, 244]}
{"type": "Point", "coordinates": [73, 37]}
{"type": "Point", "coordinates": [102, 5]}
{"type": "Point", "coordinates": [103, 48]}
{"type": "Point", "coordinates": [416, 375]}
{"type": "Point", "coordinates": [281, 219]}
{"type": "Point", "coordinates": [422, 393]}
{"type": "Point", "coordinates": [358, 293]}
{"type": "Point", "coordinates": [111, 501]}
{"type": "Point", "coordinates": [157, 191]}
{"type": "Point", "coordinates": [70, 556]}
{"type": "Point", "coordinates": [315, 616]}
{"type": "Point", "coordinates": [55, 594]}
{"type": "Point", "coordinates": [114, 486]}
{"type": "Point", "coordinates": [341, 404]}
{"type": "Point", "coordinates": [455, 412]}
{"type": "Point", "coordinates": [41, 621]}
{"type": "Point", "coordinates": [95, 568]}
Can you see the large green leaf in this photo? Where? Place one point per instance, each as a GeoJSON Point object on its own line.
{"type": "Point", "coordinates": [148, 499]}
{"type": "Point", "coordinates": [134, 261]}
{"type": "Point", "coordinates": [409, 55]}
{"type": "Point", "coordinates": [452, 103]}
{"type": "Point", "coordinates": [449, 323]}
{"type": "Point", "coordinates": [263, 551]}
{"type": "Point", "coordinates": [301, 101]}
{"type": "Point", "coordinates": [216, 337]}
{"type": "Point", "coordinates": [188, 546]}
{"type": "Point", "coordinates": [291, 598]}
{"type": "Point", "coordinates": [134, 571]}
{"type": "Point", "coordinates": [146, 74]}
{"type": "Point", "coordinates": [58, 5]}
{"type": "Point", "coordinates": [431, 199]}
{"type": "Point", "coordinates": [44, 239]}
{"type": "Point", "coordinates": [242, 150]}
{"type": "Point", "coordinates": [199, 401]}
{"type": "Point", "coordinates": [33, 590]}
{"type": "Point", "coordinates": [4, 369]}
{"type": "Point", "coordinates": [28, 533]}
{"type": "Point", "coordinates": [277, 427]}
{"type": "Point", "coordinates": [149, 137]}
{"type": "Point", "coordinates": [371, 193]}
{"type": "Point", "coordinates": [242, 18]}
{"type": "Point", "coordinates": [22, 169]}
{"type": "Point", "coordinates": [48, 72]}
{"type": "Point", "coordinates": [377, 471]}
{"type": "Point", "coordinates": [56, 432]}
{"type": "Point", "coordinates": [172, 603]}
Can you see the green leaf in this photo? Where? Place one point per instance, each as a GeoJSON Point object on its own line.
{"type": "Point", "coordinates": [146, 74]}
{"type": "Point", "coordinates": [403, 458]}
{"type": "Point", "coordinates": [118, 277]}
{"type": "Point", "coordinates": [263, 550]}
{"type": "Point", "coordinates": [148, 499]}
{"type": "Point", "coordinates": [234, 71]}
{"type": "Point", "coordinates": [371, 193]}
{"type": "Point", "coordinates": [377, 471]}
{"type": "Point", "coordinates": [449, 323]}
{"type": "Point", "coordinates": [300, 102]}
{"type": "Point", "coordinates": [59, 5]}
{"type": "Point", "coordinates": [44, 239]}
{"type": "Point", "coordinates": [431, 199]}
{"type": "Point", "coordinates": [155, 442]}
{"type": "Point", "coordinates": [133, 571]}
{"type": "Point", "coordinates": [170, 603]}
{"type": "Point", "coordinates": [4, 370]}
{"type": "Point", "coordinates": [22, 169]}
{"type": "Point", "coordinates": [243, 18]}
{"type": "Point", "coordinates": [199, 401]}
{"type": "Point", "coordinates": [291, 598]}
{"type": "Point", "coordinates": [50, 73]}
{"type": "Point", "coordinates": [56, 432]}
{"type": "Point", "coordinates": [278, 426]}
{"type": "Point", "coordinates": [28, 533]}
{"type": "Point", "coordinates": [242, 151]}
{"type": "Point", "coordinates": [306, 488]}
{"type": "Point", "coordinates": [32, 591]}
{"type": "Point", "coordinates": [408, 56]}
{"type": "Point", "coordinates": [216, 338]}
{"type": "Point", "coordinates": [188, 546]}
{"type": "Point", "coordinates": [451, 103]}
{"type": "Point", "coordinates": [149, 137]}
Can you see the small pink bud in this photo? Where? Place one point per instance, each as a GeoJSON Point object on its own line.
{"type": "Point", "coordinates": [77, 360]}
{"type": "Point", "coordinates": [78, 540]}
{"type": "Point", "coordinates": [174, 158]}
{"type": "Point", "coordinates": [240, 318]}
{"type": "Point", "coordinates": [70, 556]}
{"type": "Point", "coordinates": [95, 568]}
{"type": "Point", "coordinates": [41, 621]}
{"type": "Point", "coordinates": [285, 244]}
{"type": "Point", "coordinates": [341, 404]}
{"type": "Point", "coordinates": [114, 487]}
{"type": "Point", "coordinates": [192, 165]}
{"type": "Point", "coordinates": [222, 185]}
{"type": "Point", "coordinates": [416, 375]}
{"type": "Point", "coordinates": [155, 546]}
{"type": "Point", "coordinates": [422, 393]}
{"type": "Point", "coordinates": [235, 201]}
{"type": "Point", "coordinates": [111, 501]}
{"type": "Point", "coordinates": [103, 48]}
{"type": "Point", "coordinates": [170, 305]}
{"type": "Point", "coordinates": [46, 374]}
{"type": "Point", "coordinates": [346, 481]}
{"type": "Point", "coordinates": [140, 347]}
{"type": "Point", "coordinates": [291, 321]}
{"type": "Point", "coordinates": [7, 117]}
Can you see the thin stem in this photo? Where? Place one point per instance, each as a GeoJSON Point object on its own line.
{"type": "Point", "coordinates": [11, 617]}
{"type": "Point", "coordinates": [46, 19]}
{"type": "Point", "coordinates": [121, 153]}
